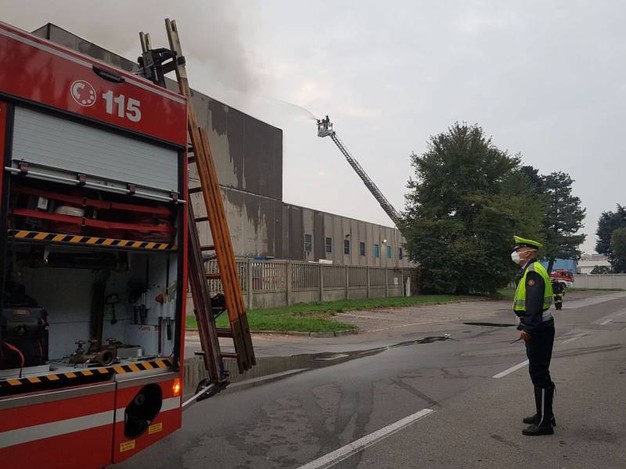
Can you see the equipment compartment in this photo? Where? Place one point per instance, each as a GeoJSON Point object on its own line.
{"type": "Point", "coordinates": [89, 279]}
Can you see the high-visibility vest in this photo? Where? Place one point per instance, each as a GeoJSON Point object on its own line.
{"type": "Point", "coordinates": [519, 301]}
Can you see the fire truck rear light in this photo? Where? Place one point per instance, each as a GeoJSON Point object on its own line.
{"type": "Point", "coordinates": [176, 387]}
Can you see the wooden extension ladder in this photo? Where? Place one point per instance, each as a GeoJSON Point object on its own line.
{"type": "Point", "coordinates": [154, 65]}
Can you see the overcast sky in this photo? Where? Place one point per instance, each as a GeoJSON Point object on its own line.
{"type": "Point", "coordinates": [544, 79]}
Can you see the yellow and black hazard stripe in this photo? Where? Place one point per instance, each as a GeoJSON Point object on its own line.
{"type": "Point", "coordinates": [56, 378]}
{"type": "Point", "coordinates": [53, 380]}
{"type": "Point", "coordinates": [24, 235]}
{"type": "Point", "coordinates": [79, 376]}
{"type": "Point", "coordinates": [141, 366]}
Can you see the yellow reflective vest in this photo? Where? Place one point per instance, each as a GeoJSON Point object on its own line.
{"type": "Point", "coordinates": [519, 301]}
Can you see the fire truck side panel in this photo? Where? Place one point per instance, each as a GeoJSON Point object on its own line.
{"type": "Point", "coordinates": [47, 74]}
{"type": "Point", "coordinates": [88, 449]}
{"type": "Point", "coordinates": [165, 402]}
{"type": "Point", "coordinates": [93, 247]}
{"type": "Point", "coordinates": [35, 431]}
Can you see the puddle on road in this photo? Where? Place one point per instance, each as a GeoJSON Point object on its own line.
{"type": "Point", "coordinates": [267, 366]}
{"type": "Point", "coordinates": [425, 340]}
{"type": "Point", "coordinates": [491, 324]}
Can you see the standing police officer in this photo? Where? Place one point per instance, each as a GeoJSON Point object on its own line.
{"type": "Point", "coordinates": [533, 297]}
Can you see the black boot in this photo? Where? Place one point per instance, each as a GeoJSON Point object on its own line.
{"type": "Point", "coordinates": [536, 418]}
{"type": "Point", "coordinates": [543, 402]}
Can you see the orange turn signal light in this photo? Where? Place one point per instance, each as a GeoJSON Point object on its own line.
{"type": "Point", "coordinates": [176, 387]}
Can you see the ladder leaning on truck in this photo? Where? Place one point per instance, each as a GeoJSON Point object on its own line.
{"type": "Point", "coordinates": [97, 249]}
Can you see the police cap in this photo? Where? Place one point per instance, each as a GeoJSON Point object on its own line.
{"type": "Point", "coordinates": [523, 242]}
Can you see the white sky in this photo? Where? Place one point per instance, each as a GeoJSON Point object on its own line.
{"type": "Point", "coordinates": [544, 79]}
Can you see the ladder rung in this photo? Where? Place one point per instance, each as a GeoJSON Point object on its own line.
{"type": "Point", "coordinates": [224, 332]}
{"type": "Point", "coordinates": [195, 190]}
{"type": "Point", "coordinates": [213, 276]}
{"type": "Point", "coordinates": [208, 247]}
{"type": "Point", "coordinates": [191, 159]}
{"type": "Point", "coordinates": [201, 219]}
{"type": "Point", "coordinates": [229, 355]}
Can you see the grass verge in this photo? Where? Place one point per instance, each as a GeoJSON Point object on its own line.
{"type": "Point", "coordinates": [323, 317]}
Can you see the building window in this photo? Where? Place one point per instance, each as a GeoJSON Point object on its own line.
{"type": "Point", "coordinates": [308, 243]}
{"type": "Point", "coordinates": [389, 252]}
{"type": "Point", "coordinates": [346, 246]}
{"type": "Point", "coordinates": [362, 249]}
{"type": "Point", "coordinates": [376, 250]}
{"type": "Point", "coordinates": [400, 253]}
{"type": "Point", "coordinates": [329, 244]}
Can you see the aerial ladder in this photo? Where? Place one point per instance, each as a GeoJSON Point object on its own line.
{"type": "Point", "coordinates": [325, 129]}
{"type": "Point", "coordinates": [154, 65]}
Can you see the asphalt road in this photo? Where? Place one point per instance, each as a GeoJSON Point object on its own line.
{"type": "Point", "coordinates": [421, 388]}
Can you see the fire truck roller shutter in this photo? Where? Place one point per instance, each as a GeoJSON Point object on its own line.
{"type": "Point", "coordinates": [62, 144]}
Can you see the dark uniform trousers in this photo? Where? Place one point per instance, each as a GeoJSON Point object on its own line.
{"type": "Point", "coordinates": [539, 353]}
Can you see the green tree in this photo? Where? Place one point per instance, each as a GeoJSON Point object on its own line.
{"type": "Point", "coordinates": [534, 177]}
{"type": "Point", "coordinates": [467, 200]}
{"type": "Point", "coordinates": [607, 224]}
{"type": "Point", "coordinates": [618, 249]}
{"type": "Point", "coordinates": [564, 218]}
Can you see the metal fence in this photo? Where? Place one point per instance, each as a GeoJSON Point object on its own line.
{"type": "Point", "coordinates": [273, 283]}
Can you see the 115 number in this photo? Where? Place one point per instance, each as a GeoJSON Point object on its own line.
{"type": "Point", "coordinates": [124, 108]}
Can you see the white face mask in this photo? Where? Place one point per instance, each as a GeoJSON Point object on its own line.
{"type": "Point", "coordinates": [515, 257]}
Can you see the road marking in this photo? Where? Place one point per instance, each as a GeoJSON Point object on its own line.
{"type": "Point", "coordinates": [348, 450]}
{"type": "Point", "coordinates": [508, 371]}
{"type": "Point", "coordinates": [607, 319]}
{"type": "Point", "coordinates": [576, 337]}
{"type": "Point", "coordinates": [511, 370]}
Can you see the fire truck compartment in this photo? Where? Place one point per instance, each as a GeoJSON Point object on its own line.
{"type": "Point", "coordinates": [89, 311]}
{"type": "Point", "coordinates": [56, 148]}
{"type": "Point", "coordinates": [91, 263]}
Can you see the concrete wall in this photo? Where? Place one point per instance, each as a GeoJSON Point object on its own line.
{"type": "Point", "coordinates": [601, 281]}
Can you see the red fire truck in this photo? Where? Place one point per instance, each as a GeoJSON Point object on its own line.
{"type": "Point", "coordinates": [93, 240]}
{"type": "Point", "coordinates": [564, 276]}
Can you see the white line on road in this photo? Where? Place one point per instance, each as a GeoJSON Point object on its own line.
{"type": "Point", "coordinates": [348, 450]}
{"type": "Point", "coordinates": [607, 319]}
{"type": "Point", "coordinates": [502, 374]}
{"type": "Point", "coordinates": [576, 337]}
{"type": "Point", "coordinates": [508, 371]}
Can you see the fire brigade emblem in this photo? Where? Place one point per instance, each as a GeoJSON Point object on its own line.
{"type": "Point", "coordinates": [83, 93]}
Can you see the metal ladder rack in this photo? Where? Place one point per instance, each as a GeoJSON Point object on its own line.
{"type": "Point", "coordinates": [155, 63]}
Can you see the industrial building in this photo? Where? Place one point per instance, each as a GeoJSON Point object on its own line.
{"type": "Point", "coordinates": [248, 155]}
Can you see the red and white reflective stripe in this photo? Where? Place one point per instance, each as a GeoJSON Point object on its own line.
{"type": "Point", "coordinates": [63, 427]}
{"type": "Point", "coordinates": [167, 404]}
